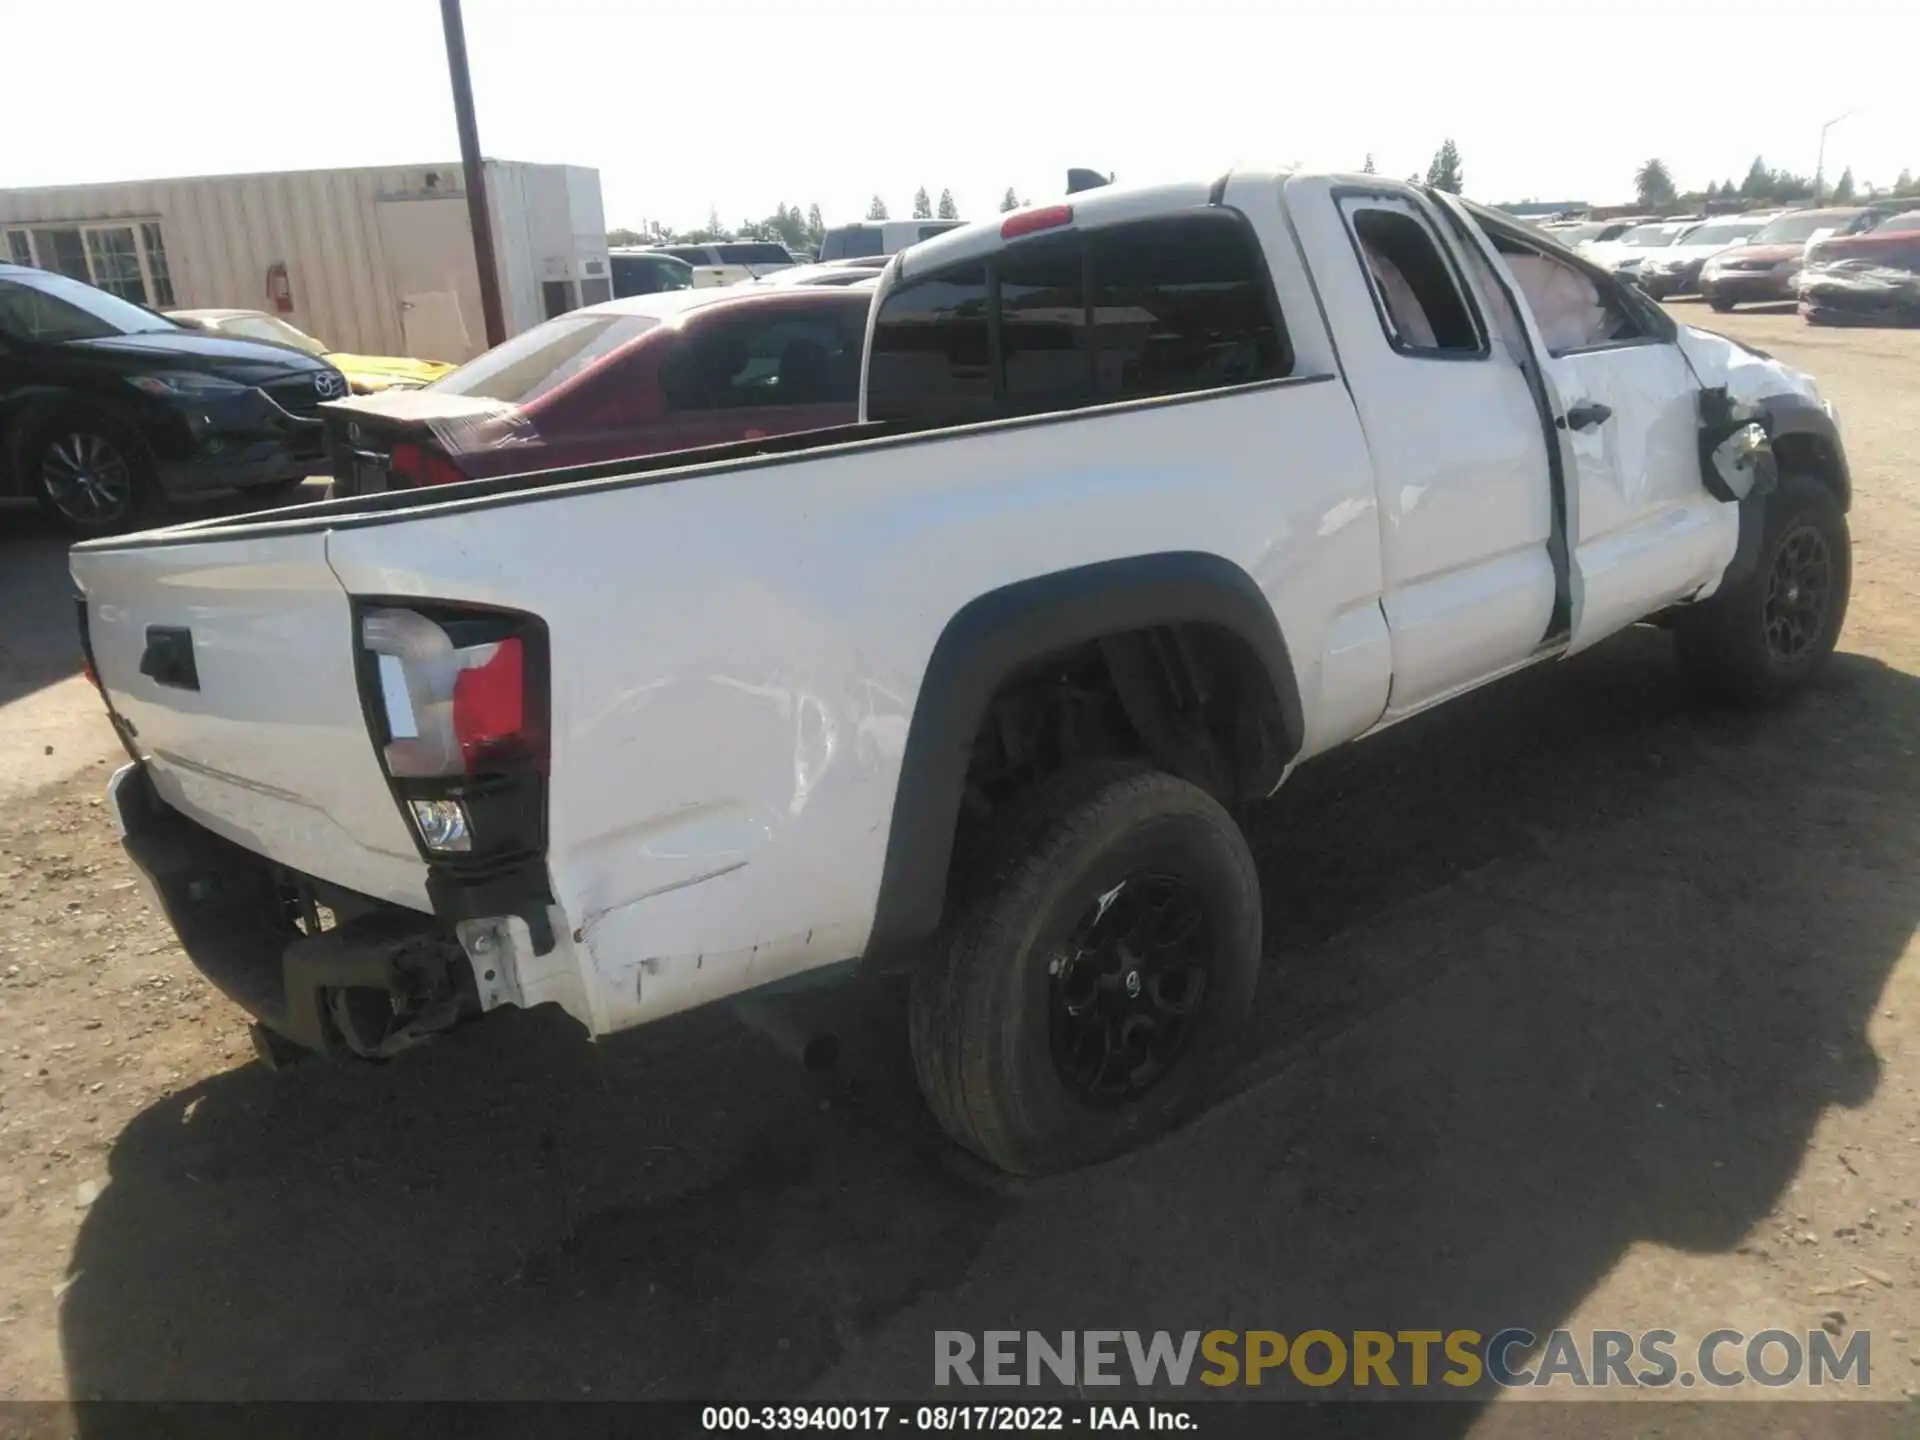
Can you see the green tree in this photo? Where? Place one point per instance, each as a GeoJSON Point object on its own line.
{"type": "Point", "coordinates": [948, 209]}
{"type": "Point", "coordinates": [1843, 187]}
{"type": "Point", "coordinates": [1009, 201]}
{"type": "Point", "coordinates": [1444, 173]}
{"type": "Point", "coordinates": [877, 210]}
{"type": "Point", "coordinates": [1367, 168]}
{"type": "Point", "coordinates": [1759, 182]}
{"type": "Point", "coordinates": [1653, 184]}
{"type": "Point", "coordinates": [922, 204]}
{"type": "Point", "coordinates": [1713, 190]}
{"type": "Point", "coordinates": [1904, 184]}
{"type": "Point", "coordinates": [816, 226]}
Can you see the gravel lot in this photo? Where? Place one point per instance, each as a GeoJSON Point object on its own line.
{"type": "Point", "coordinates": [1586, 1007]}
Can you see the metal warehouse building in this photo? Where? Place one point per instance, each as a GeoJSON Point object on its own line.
{"type": "Point", "coordinates": [372, 261]}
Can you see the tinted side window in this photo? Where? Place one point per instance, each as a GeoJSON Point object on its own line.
{"type": "Point", "coordinates": [1421, 305]}
{"type": "Point", "coordinates": [1151, 308]}
{"type": "Point", "coordinates": [756, 253]}
{"type": "Point", "coordinates": [1182, 304]}
{"type": "Point", "coordinates": [850, 242]}
{"type": "Point", "coordinates": [762, 360]}
{"type": "Point", "coordinates": [692, 254]}
{"type": "Point", "coordinates": [932, 356]}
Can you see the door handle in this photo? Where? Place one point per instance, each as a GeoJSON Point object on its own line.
{"type": "Point", "coordinates": [1586, 415]}
{"type": "Point", "coordinates": [168, 658]}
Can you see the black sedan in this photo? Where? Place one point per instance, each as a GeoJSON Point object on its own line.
{"type": "Point", "coordinates": [108, 409]}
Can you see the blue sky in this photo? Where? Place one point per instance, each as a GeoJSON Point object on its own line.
{"type": "Point", "coordinates": [686, 106]}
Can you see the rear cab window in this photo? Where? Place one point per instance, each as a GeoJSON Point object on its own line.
{"type": "Point", "coordinates": [1145, 308]}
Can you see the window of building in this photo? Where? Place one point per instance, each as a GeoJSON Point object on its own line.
{"type": "Point", "coordinates": [63, 252]}
{"type": "Point", "coordinates": [1422, 307]}
{"type": "Point", "coordinates": [127, 259]}
{"type": "Point", "coordinates": [1153, 307]}
{"type": "Point", "coordinates": [159, 277]}
{"type": "Point", "coordinates": [113, 256]}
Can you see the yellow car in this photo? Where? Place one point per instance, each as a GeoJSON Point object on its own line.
{"type": "Point", "coordinates": [366, 374]}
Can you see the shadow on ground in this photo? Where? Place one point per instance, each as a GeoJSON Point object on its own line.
{"type": "Point", "coordinates": [38, 642]}
{"type": "Point", "coordinates": [1567, 966]}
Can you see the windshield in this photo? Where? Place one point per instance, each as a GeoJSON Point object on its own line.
{"type": "Point", "coordinates": [1648, 237]}
{"type": "Point", "coordinates": [267, 327]}
{"type": "Point", "coordinates": [1908, 221]}
{"type": "Point", "coordinates": [528, 366]}
{"type": "Point", "coordinates": [1723, 234]}
{"type": "Point", "coordinates": [51, 307]}
{"type": "Point", "coordinates": [1803, 226]}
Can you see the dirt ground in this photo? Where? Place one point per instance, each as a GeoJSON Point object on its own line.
{"type": "Point", "coordinates": [1585, 1007]}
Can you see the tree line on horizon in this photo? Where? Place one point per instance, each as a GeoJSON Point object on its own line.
{"type": "Point", "coordinates": [790, 226]}
{"type": "Point", "coordinates": [1653, 184]}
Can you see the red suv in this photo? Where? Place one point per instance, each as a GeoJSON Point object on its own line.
{"type": "Point", "coordinates": [629, 378]}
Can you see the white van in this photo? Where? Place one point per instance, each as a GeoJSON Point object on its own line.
{"type": "Point", "coordinates": [880, 237]}
{"type": "Point", "coordinates": [728, 262]}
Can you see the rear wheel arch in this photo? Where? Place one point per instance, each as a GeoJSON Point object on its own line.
{"type": "Point", "coordinates": [1117, 608]}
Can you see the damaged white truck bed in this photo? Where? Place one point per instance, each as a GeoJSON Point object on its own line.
{"type": "Point", "coordinates": [1155, 495]}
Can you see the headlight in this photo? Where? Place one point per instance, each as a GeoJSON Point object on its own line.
{"type": "Point", "coordinates": [185, 384]}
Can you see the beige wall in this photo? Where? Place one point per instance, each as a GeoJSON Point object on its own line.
{"type": "Point", "coordinates": [223, 232]}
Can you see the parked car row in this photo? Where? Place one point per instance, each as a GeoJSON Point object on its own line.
{"type": "Point", "coordinates": [1766, 256]}
{"type": "Point", "coordinates": [642, 376]}
{"type": "Point", "coordinates": [107, 408]}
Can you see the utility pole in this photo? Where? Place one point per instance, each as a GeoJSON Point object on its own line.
{"type": "Point", "coordinates": [1820, 164]}
{"type": "Point", "coordinates": [476, 173]}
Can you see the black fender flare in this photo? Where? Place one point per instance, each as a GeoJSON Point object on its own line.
{"type": "Point", "coordinates": [1794, 417]}
{"type": "Point", "coordinates": [992, 636]}
{"type": "Point", "coordinates": [1788, 416]}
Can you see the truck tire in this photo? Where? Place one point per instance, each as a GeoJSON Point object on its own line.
{"type": "Point", "coordinates": [1772, 633]}
{"type": "Point", "coordinates": [1104, 944]}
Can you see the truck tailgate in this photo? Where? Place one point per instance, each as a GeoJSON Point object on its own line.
{"type": "Point", "coordinates": [248, 713]}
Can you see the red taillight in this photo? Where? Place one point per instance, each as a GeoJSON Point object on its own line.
{"type": "Point", "coordinates": [490, 704]}
{"type": "Point", "coordinates": [423, 466]}
{"type": "Point", "coordinates": [1025, 222]}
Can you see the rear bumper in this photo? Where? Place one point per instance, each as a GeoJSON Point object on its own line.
{"type": "Point", "coordinates": [1662, 283]}
{"type": "Point", "coordinates": [1749, 286]}
{"type": "Point", "coordinates": [238, 466]}
{"type": "Point", "coordinates": [232, 443]}
{"type": "Point", "coordinates": [234, 913]}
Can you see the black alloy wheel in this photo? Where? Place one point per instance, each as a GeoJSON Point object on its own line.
{"type": "Point", "coordinates": [1128, 987]}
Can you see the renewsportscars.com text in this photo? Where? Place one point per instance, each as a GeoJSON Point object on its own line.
{"type": "Point", "coordinates": [1412, 1359]}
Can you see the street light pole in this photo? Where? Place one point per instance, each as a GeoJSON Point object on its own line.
{"type": "Point", "coordinates": [476, 173]}
{"type": "Point", "coordinates": [1820, 164]}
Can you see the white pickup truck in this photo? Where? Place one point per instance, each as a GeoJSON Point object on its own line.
{"type": "Point", "coordinates": [1155, 496]}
